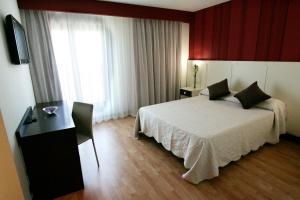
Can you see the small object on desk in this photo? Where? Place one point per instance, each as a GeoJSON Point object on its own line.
{"type": "Point", "coordinates": [50, 110]}
{"type": "Point", "coordinates": [189, 92]}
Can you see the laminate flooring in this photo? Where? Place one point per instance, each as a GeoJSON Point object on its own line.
{"type": "Point", "coordinates": [143, 169]}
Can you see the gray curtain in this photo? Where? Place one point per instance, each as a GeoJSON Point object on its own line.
{"type": "Point", "coordinates": [157, 49]}
{"type": "Point", "coordinates": [43, 67]}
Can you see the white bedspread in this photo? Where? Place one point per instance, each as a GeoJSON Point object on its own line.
{"type": "Point", "coordinates": [210, 134]}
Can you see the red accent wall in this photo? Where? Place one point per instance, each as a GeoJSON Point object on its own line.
{"type": "Point", "coordinates": [256, 30]}
{"type": "Point", "coordinates": [106, 8]}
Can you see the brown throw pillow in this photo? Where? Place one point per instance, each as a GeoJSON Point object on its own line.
{"type": "Point", "coordinates": [251, 96]}
{"type": "Point", "coordinates": [218, 90]}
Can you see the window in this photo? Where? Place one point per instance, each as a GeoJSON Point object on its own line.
{"type": "Point", "coordinates": [79, 57]}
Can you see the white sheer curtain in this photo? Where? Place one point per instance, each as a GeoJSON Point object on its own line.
{"type": "Point", "coordinates": [95, 59]}
{"type": "Point", "coordinates": [117, 64]}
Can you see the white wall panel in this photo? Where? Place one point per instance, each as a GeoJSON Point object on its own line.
{"type": "Point", "coordinates": [245, 73]}
{"type": "Point", "coordinates": [218, 71]}
{"type": "Point", "coordinates": [201, 75]}
{"type": "Point", "coordinates": [283, 82]}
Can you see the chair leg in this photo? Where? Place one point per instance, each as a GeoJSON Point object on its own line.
{"type": "Point", "coordinates": [95, 152]}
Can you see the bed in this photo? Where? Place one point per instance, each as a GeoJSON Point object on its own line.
{"type": "Point", "coordinates": [210, 134]}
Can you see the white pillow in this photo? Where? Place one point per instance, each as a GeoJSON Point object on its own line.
{"type": "Point", "coordinates": [229, 97]}
{"type": "Point", "coordinates": [204, 92]}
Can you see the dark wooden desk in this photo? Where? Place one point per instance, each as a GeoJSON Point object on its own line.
{"type": "Point", "coordinates": [50, 151]}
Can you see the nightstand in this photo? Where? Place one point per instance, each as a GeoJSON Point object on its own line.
{"type": "Point", "coordinates": [189, 92]}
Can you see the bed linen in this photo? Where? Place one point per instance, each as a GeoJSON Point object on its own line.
{"type": "Point", "coordinates": [210, 134]}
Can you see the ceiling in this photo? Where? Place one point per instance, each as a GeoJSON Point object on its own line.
{"type": "Point", "coordinates": [185, 5]}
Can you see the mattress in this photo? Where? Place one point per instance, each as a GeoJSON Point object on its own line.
{"type": "Point", "coordinates": [210, 134]}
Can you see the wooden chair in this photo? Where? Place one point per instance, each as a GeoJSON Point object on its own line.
{"type": "Point", "coordinates": [82, 114]}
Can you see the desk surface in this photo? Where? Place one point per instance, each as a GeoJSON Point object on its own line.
{"type": "Point", "coordinates": [49, 123]}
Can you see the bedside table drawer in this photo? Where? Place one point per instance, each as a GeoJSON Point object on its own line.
{"type": "Point", "coordinates": [185, 92]}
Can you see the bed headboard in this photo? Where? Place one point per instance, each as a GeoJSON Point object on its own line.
{"type": "Point", "coordinates": [279, 79]}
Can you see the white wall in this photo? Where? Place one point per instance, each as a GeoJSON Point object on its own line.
{"type": "Point", "coordinates": [16, 92]}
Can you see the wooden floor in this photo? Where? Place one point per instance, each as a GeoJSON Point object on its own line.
{"type": "Point", "coordinates": [142, 169]}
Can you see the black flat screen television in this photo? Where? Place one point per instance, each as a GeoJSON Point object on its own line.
{"type": "Point", "coordinates": [16, 41]}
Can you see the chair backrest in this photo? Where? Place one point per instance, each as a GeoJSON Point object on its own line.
{"type": "Point", "coordinates": [82, 114]}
